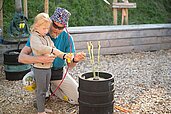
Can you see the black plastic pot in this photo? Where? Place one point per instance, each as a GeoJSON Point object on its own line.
{"type": "Point", "coordinates": [16, 72]}
{"type": "Point", "coordinates": [96, 96]}
{"type": "Point", "coordinates": [11, 57]}
{"type": "Point", "coordinates": [13, 69]}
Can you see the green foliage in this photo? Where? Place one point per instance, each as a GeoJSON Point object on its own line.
{"type": "Point", "coordinates": [95, 12]}
{"type": "Point", "coordinates": [150, 12]}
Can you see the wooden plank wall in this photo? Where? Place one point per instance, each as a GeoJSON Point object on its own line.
{"type": "Point", "coordinates": [117, 39]}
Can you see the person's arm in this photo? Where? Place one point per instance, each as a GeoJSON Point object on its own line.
{"type": "Point", "coordinates": [77, 58]}
{"type": "Point", "coordinates": [42, 49]}
{"type": "Point", "coordinates": [26, 58]}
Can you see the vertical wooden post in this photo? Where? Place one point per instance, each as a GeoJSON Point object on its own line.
{"type": "Point", "coordinates": [126, 10]}
{"type": "Point", "coordinates": [125, 15]}
{"type": "Point", "coordinates": [115, 13]}
{"type": "Point", "coordinates": [46, 6]}
{"type": "Point", "coordinates": [18, 6]}
{"type": "Point", "coordinates": [124, 5]}
{"type": "Point", "coordinates": [25, 9]}
{"type": "Point", "coordinates": [126, 18]}
{"type": "Point", "coordinates": [1, 15]}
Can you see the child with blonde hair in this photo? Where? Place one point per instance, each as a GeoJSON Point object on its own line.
{"type": "Point", "coordinates": [41, 44]}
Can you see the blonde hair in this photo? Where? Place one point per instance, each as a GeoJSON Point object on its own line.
{"type": "Point", "coordinates": [40, 19]}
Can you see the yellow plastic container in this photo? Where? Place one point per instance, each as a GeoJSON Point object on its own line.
{"type": "Point", "coordinates": [29, 82]}
{"type": "Point", "coordinates": [30, 88]}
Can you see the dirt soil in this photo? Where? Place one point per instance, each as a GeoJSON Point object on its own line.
{"type": "Point", "coordinates": [142, 83]}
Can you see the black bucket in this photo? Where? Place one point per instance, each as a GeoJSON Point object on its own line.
{"type": "Point", "coordinates": [13, 69]}
{"type": "Point", "coordinates": [11, 57]}
{"type": "Point", "coordinates": [96, 96]}
{"type": "Point", "coordinates": [16, 72]}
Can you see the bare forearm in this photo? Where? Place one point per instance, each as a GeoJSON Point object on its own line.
{"type": "Point", "coordinates": [28, 59]}
{"type": "Point", "coordinates": [58, 53]}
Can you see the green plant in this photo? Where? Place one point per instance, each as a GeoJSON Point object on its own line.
{"type": "Point", "coordinates": [95, 12]}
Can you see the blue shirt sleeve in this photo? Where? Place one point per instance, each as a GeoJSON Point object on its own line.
{"type": "Point", "coordinates": [28, 42]}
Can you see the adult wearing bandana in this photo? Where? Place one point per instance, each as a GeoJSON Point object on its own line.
{"type": "Point", "coordinates": [63, 41]}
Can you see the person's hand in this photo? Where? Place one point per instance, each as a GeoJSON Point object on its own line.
{"type": "Point", "coordinates": [79, 56]}
{"type": "Point", "coordinates": [46, 58]}
{"type": "Point", "coordinates": [68, 57]}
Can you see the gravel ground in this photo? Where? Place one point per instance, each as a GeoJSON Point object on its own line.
{"type": "Point", "coordinates": [142, 83]}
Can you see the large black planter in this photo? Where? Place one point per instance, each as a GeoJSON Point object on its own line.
{"type": "Point", "coordinates": [96, 96]}
{"type": "Point", "coordinates": [16, 72]}
{"type": "Point", "coordinates": [11, 57]}
{"type": "Point", "coordinates": [13, 69]}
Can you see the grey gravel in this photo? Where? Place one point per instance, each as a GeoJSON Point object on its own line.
{"type": "Point", "coordinates": [142, 83]}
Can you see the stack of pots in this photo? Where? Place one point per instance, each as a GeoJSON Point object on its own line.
{"type": "Point", "coordinates": [96, 96]}
{"type": "Point", "coordinates": [13, 69]}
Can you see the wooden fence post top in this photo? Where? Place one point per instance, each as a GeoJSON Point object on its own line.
{"type": "Point", "coordinates": [124, 5]}
{"type": "Point", "coordinates": [46, 6]}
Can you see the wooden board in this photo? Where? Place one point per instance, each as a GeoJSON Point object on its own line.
{"type": "Point", "coordinates": [124, 5]}
{"type": "Point", "coordinates": [128, 49]}
{"type": "Point", "coordinates": [46, 6]}
{"type": "Point", "coordinates": [25, 8]}
{"type": "Point", "coordinates": [121, 34]}
{"type": "Point", "coordinates": [125, 42]}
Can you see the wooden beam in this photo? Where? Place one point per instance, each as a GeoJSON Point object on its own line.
{"type": "Point", "coordinates": [124, 8]}
{"type": "Point", "coordinates": [25, 8]}
{"type": "Point", "coordinates": [115, 13]}
{"type": "Point", "coordinates": [1, 15]}
{"type": "Point", "coordinates": [124, 5]}
{"type": "Point", "coordinates": [126, 17]}
{"type": "Point", "coordinates": [18, 6]}
{"type": "Point", "coordinates": [46, 6]}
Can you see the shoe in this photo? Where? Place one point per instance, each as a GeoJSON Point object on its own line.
{"type": "Point", "coordinates": [48, 110]}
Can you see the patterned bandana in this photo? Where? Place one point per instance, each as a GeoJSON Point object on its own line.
{"type": "Point", "coordinates": [61, 15]}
